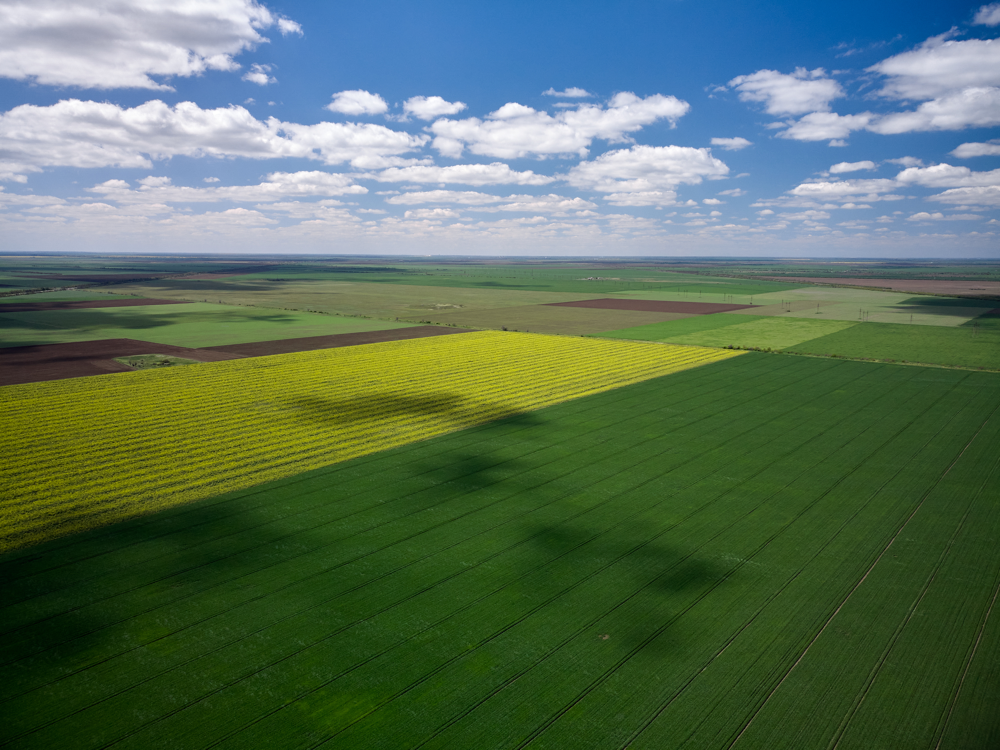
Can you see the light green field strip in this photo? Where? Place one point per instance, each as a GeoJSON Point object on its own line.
{"type": "Point", "coordinates": [59, 296]}
{"type": "Point", "coordinates": [191, 325]}
{"type": "Point", "coordinates": [765, 333]}
{"type": "Point", "coordinates": [730, 329]}
{"type": "Point", "coordinates": [826, 303]}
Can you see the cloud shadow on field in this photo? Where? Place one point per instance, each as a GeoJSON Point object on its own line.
{"type": "Point", "coordinates": [59, 594]}
{"type": "Point", "coordinates": [644, 589]}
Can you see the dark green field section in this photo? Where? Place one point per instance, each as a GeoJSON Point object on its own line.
{"type": "Point", "coordinates": [975, 344]}
{"type": "Point", "coordinates": [767, 552]}
{"type": "Point", "coordinates": [191, 325]}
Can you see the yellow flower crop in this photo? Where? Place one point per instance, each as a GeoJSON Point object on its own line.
{"type": "Point", "coordinates": [83, 452]}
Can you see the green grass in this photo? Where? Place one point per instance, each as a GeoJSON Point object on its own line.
{"type": "Point", "coordinates": [964, 347]}
{"type": "Point", "coordinates": [190, 325]}
{"type": "Point", "coordinates": [768, 552]}
{"type": "Point", "coordinates": [765, 333]}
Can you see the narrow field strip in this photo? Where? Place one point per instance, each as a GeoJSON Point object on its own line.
{"type": "Point", "coordinates": [92, 451]}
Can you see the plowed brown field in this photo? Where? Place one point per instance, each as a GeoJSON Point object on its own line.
{"type": "Point", "coordinates": [86, 304]}
{"type": "Point", "coordinates": [31, 364]}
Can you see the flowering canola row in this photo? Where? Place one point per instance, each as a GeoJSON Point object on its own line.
{"type": "Point", "coordinates": [83, 452]}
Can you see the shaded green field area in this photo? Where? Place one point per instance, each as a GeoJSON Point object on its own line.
{"type": "Point", "coordinates": [62, 295]}
{"type": "Point", "coordinates": [765, 333]}
{"type": "Point", "coordinates": [768, 552]}
{"type": "Point", "coordinates": [190, 325]}
{"type": "Point", "coordinates": [967, 346]}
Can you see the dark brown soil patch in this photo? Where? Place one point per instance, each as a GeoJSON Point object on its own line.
{"type": "Point", "coordinates": [85, 304]}
{"type": "Point", "coordinates": [649, 305]}
{"type": "Point", "coordinates": [96, 277]}
{"type": "Point", "coordinates": [332, 341]}
{"type": "Point", "coordinates": [31, 364]}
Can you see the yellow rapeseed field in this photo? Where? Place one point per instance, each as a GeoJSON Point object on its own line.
{"type": "Point", "coordinates": [82, 452]}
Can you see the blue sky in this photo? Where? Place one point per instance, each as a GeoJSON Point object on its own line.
{"type": "Point", "coordinates": [630, 128]}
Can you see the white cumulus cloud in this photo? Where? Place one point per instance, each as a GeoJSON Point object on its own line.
{"type": "Point", "coordinates": [496, 173]}
{"type": "Point", "coordinates": [843, 189]}
{"type": "Point", "coordinates": [108, 44]}
{"type": "Point", "coordinates": [279, 185]}
{"type": "Point", "coordinates": [988, 15]}
{"type": "Point", "coordinates": [461, 197]}
{"type": "Point", "coordinates": [357, 102]}
{"type": "Point", "coordinates": [938, 216]}
{"type": "Point", "coordinates": [646, 168]}
{"type": "Point", "coordinates": [939, 67]}
{"type": "Point", "coordinates": [851, 166]}
{"type": "Point", "coordinates": [516, 131]}
{"type": "Point", "coordinates": [969, 150]}
{"type": "Point", "coordinates": [825, 126]}
{"type": "Point", "coordinates": [947, 176]}
{"type": "Point", "coordinates": [75, 133]}
{"type": "Point", "coordinates": [971, 196]}
{"type": "Point", "coordinates": [971, 107]}
{"type": "Point", "coordinates": [796, 93]}
{"type": "Point", "coordinates": [429, 107]}
{"type": "Point", "coordinates": [571, 93]}
{"type": "Point", "coordinates": [731, 144]}
{"type": "Point", "coordinates": [259, 74]}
